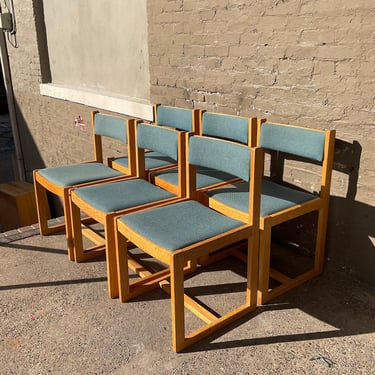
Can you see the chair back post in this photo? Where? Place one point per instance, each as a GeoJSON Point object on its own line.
{"type": "Point", "coordinates": [200, 121]}
{"type": "Point", "coordinates": [155, 113]}
{"type": "Point", "coordinates": [182, 163]}
{"type": "Point", "coordinates": [132, 149]}
{"type": "Point", "coordinates": [327, 166]}
{"type": "Point", "coordinates": [97, 139]}
{"type": "Point", "coordinates": [255, 186]}
{"type": "Point", "coordinates": [190, 170]}
{"type": "Point", "coordinates": [253, 131]}
{"type": "Point", "coordinates": [196, 120]}
{"type": "Point", "coordinates": [139, 154]}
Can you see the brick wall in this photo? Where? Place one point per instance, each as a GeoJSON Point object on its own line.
{"type": "Point", "coordinates": [303, 62]}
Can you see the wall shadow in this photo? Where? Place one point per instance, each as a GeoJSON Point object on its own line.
{"type": "Point", "coordinates": [351, 223]}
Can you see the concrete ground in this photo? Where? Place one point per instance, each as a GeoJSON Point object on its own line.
{"type": "Point", "coordinates": [56, 318]}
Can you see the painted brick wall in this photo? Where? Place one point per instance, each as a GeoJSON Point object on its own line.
{"type": "Point", "coordinates": [303, 62]}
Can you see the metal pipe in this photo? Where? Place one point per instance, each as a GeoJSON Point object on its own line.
{"type": "Point", "coordinates": [20, 173]}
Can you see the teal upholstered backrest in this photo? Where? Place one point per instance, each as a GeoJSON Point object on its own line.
{"type": "Point", "coordinates": [234, 128]}
{"type": "Point", "coordinates": [159, 139]}
{"type": "Point", "coordinates": [179, 118]}
{"type": "Point", "coordinates": [298, 141]}
{"type": "Point", "coordinates": [220, 155]}
{"type": "Point", "coordinates": [110, 126]}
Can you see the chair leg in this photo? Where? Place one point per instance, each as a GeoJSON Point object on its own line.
{"type": "Point", "coordinates": [252, 269]}
{"type": "Point", "coordinates": [42, 207]}
{"type": "Point", "coordinates": [320, 240]}
{"type": "Point", "coordinates": [109, 231]}
{"type": "Point", "coordinates": [264, 263]}
{"type": "Point", "coordinates": [68, 225]}
{"type": "Point", "coordinates": [121, 250]}
{"type": "Point", "coordinates": [177, 303]}
{"type": "Point", "coordinates": [75, 241]}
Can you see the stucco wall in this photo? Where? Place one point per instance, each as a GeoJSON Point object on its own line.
{"type": "Point", "coordinates": [99, 45]}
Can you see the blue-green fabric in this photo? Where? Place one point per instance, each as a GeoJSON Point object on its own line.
{"type": "Point", "coordinates": [221, 155]}
{"type": "Point", "coordinates": [204, 176]}
{"type": "Point", "coordinates": [178, 225]}
{"type": "Point", "coordinates": [152, 160]}
{"type": "Point", "coordinates": [110, 126]}
{"type": "Point", "coordinates": [233, 128]}
{"type": "Point", "coordinates": [179, 118]}
{"type": "Point", "coordinates": [159, 139]}
{"type": "Point", "coordinates": [75, 174]}
{"type": "Point", "coordinates": [274, 197]}
{"type": "Point", "coordinates": [307, 143]}
{"type": "Point", "coordinates": [122, 160]}
{"type": "Point", "coordinates": [121, 195]}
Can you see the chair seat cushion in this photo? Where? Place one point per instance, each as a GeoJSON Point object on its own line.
{"type": "Point", "coordinates": [204, 177]}
{"type": "Point", "coordinates": [120, 195]}
{"type": "Point", "coordinates": [274, 198]}
{"type": "Point", "coordinates": [178, 225]}
{"type": "Point", "coordinates": [76, 174]}
{"type": "Point", "coordinates": [153, 159]}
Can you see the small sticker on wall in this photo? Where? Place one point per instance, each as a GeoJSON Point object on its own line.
{"type": "Point", "coordinates": [79, 122]}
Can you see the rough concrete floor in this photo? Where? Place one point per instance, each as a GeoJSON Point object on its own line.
{"type": "Point", "coordinates": [56, 318]}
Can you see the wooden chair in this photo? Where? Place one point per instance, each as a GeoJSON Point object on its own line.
{"type": "Point", "coordinates": [281, 202]}
{"type": "Point", "coordinates": [222, 126]}
{"type": "Point", "coordinates": [179, 234]}
{"type": "Point", "coordinates": [59, 180]}
{"type": "Point", "coordinates": [177, 118]}
{"type": "Point", "coordinates": [103, 202]}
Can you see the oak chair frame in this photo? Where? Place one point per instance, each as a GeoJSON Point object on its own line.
{"type": "Point", "coordinates": [180, 260]}
{"type": "Point", "coordinates": [103, 243]}
{"type": "Point", "coordinates": [319, 204]}
{"type": "Point", "coordinates": [43, 185]}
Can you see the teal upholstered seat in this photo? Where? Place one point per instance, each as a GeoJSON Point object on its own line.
{"type": "Point", "coordinates": [70, 175]}
{"type": "Point", "coordinates": [274, 197]}
{"type": "Point", "coordinates": [180, 224]}
{"type": "Point", "coordinates": [152, 160]}
{"type": "Point", "coordinates": [204, 177]}
{"type": "Point", "coordinates": [121, 195]}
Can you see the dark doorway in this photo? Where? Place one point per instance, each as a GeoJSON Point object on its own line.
{"type": "Point", "coordinates": [7, 148]}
